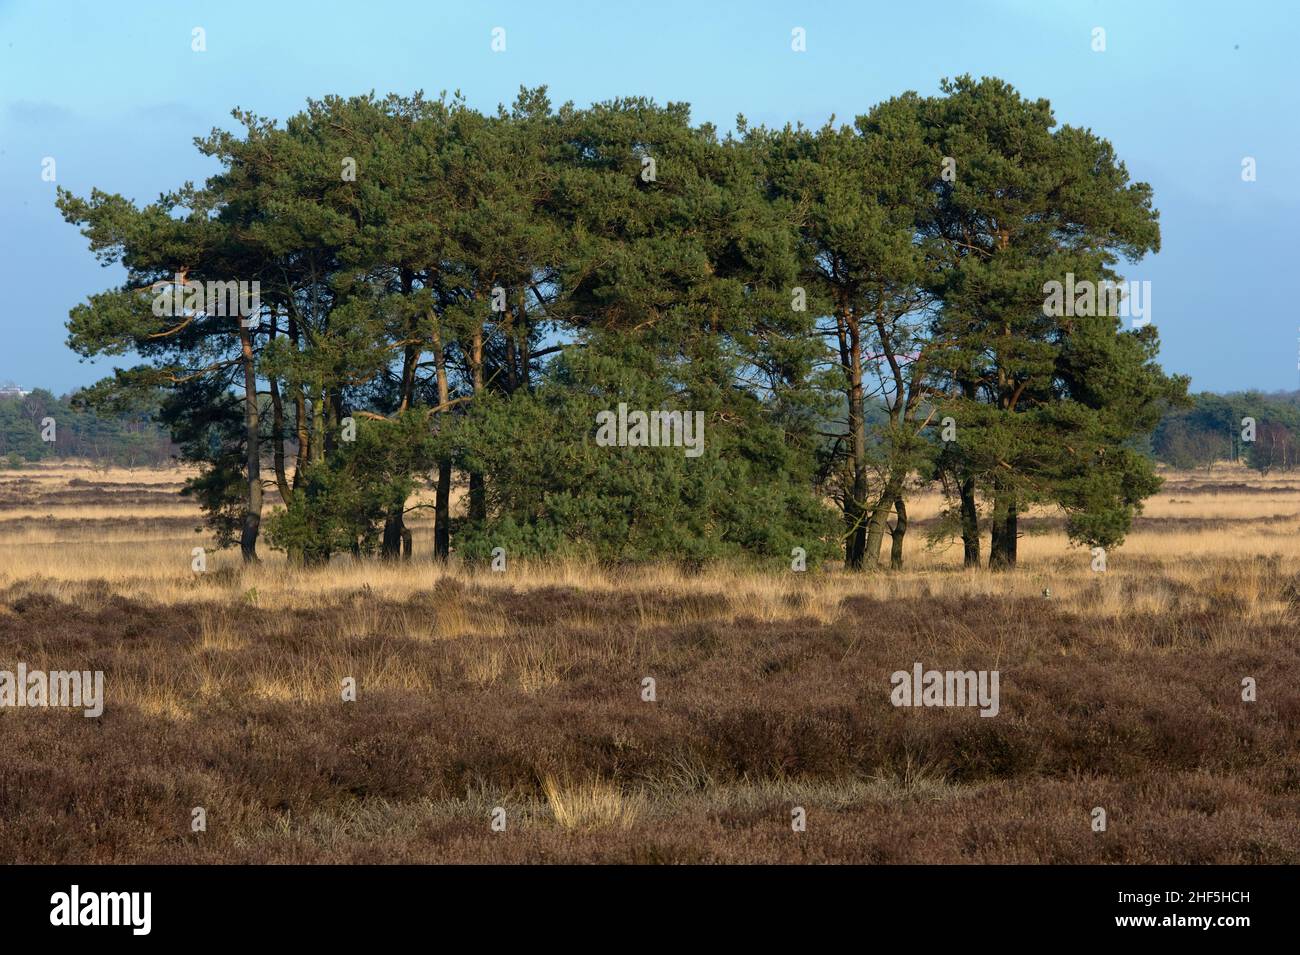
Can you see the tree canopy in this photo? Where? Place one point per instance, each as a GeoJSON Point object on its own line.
{"type": "Point", "coordinates": [453, 298]}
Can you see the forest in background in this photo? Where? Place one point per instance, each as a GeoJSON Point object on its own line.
{"type": "Point", "coordinates": [128, 439]}
{"type": "Point", "coordinates": [1207, 433]}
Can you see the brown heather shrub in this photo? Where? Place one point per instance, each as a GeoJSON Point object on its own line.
{"type": "Point", "coordinates": [237, 709]}
{"type": "Point", "coordinates": [523, 691]}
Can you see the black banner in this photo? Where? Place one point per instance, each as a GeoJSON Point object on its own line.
{"type": "Point", "coordinates": [145, 904]}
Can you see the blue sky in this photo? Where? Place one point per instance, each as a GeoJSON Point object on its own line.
{"type": "Point", "coordinates": [115, 94]}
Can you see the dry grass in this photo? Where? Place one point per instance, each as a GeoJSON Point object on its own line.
{"type": "Point", "coordinates": [589, 805]}
{"type": "Point", "coordinates": [61, 472]}
{"type": "Point", "coordinates": [216, 631]}
{"type": "Point", "coordinates": [1229, 561]}
{"type": "Point", "coordinates": [129, 551]}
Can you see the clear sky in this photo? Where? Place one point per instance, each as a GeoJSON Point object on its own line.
{"type": "Point", "coordinates": [113, 92]}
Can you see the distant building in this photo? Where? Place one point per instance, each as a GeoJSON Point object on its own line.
{"type": "Point", "coordinates": [12, 391]}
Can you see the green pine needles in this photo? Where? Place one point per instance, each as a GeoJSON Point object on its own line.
{"type": "Point", "coordinates": [812, 323]}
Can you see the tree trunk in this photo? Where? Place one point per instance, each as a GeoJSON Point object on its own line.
{"type": "Point", "coordinates": [410, 351]}
{"type": "Point", "coordinates": [970, 524]}
{"type": "Point", "coordinates": [477, 497]}
{"type": "Point", "coordinates": [277, 427]}
{"type": "Point", "coordinates": [512, 355]}
{"type": "Point", "coordinates": [1002, 550]}
{"type": "Point", "coordinates": [442, 498]}
{"type": "Point", "coordinates": [253, 503]}
{"type": "Point", "coordinates": [897, 533]}
{"type": "Point", "coordinates": [300, 417]}
{"type": "Point", "coordinates": [855, 512]}
{"type": "Point", "coordinates": [876, 529]}
{"type": "Point", "coordinates": [316, 441]}
{"type": "Point", "coordinates": [855, 523]}
{"type": "Point", "coordinates": [477, 488]}
{"type": "Point", "coordinates": [394, 532]}
{"type": "Point", "coordinates": [879, 521]}
{"type": "Point", "coordinates": [525, 358]}
{"type": "Point", "coordinates": [442, 513]}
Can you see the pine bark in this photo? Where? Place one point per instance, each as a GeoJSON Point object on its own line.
{"type": "Point", "coordinates": [1002, 549]}
{"type": "Point", "coordinates": [897, 533]}
{"type": "Point", "coordinates": [252, 425]}
{"type": "Point", "coordinates": [970, 525]}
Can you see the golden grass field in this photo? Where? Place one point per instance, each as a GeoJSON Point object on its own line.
{"type": "Point", "coordinates": [520, 689]}
{"type": "Point", "coordinates": [1190, 535]}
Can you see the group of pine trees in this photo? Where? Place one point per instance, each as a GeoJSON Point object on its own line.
{"type": "Point", "coordinates": [451, 297]}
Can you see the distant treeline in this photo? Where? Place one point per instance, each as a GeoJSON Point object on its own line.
{"type": "Point", "coordinates": [1215, 429]}
{"type": "Point", "coordinates": [41, 426]}
{"type": "Point", "coordinates": [1261, 431]}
